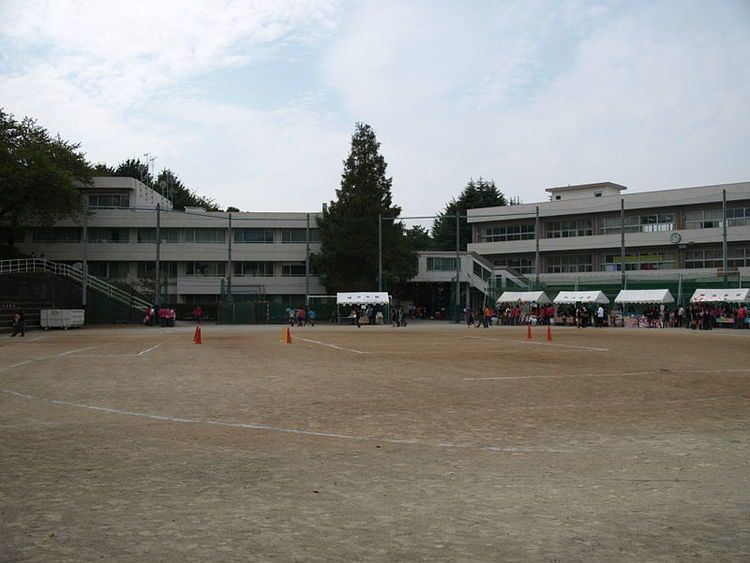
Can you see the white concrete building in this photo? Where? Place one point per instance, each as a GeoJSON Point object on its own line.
{"type": "Point", "coordinates": [201, 254]}
{"type": "Point", "coordinates": [579, 232]}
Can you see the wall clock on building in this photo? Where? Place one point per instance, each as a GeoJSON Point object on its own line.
{"type": "Point", "coordinates": [675, 238]}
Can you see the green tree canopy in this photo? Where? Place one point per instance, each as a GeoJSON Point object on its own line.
{"type": "Point", "coordinates": [170, 186]}
{"type": "Point", "coordinates": [480, 193]}
{"type": "Point", "coordinates": [419, 238]}
{"type": "Point", "coordinates": [348, 258]}
{"type": "Point", "coordinates": [38, 174]}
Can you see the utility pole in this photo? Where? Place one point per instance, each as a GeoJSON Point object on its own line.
{"type": "Point", "coordinates": [157, 284]}
{"type": "Point", "coordinates": [458, 267]}
{"type": "Point", "coordinates": [84, 252]}
{"type": "Point", "coordinates": [307, 263]}
{"type": "Point", "coordinates": [536, 250]}
{"type": "Point", "coordinates": [380, 252]}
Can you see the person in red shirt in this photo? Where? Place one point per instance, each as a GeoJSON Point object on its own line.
{"type": "Point", "coordinates": [197, 313]}
{"type": "Point", "coordinates": [741, 317]}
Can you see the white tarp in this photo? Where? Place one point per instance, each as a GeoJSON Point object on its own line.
{"type": "Point", "coordinates": [363, 298]}
{"type": "Point", "coordinates": [737, 295]}
{"type": "Point", "coordinates": [581, 297]}
{"type": "Point", "coordinates": [644, 296]}
{"type": "Point", "coordinates": [524, 297]}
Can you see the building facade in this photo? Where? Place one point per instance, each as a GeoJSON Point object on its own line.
{"type": "Point", "coordinates": [202, 255]}
{"type": "Point", "coordinates": [580, 231]}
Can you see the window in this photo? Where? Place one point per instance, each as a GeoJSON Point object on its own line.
{"type": "Point", "coordinates": [703, 219]}
{"type": "Point", "coordinates": [704, 258]}
{"type": "Point", "coordinates": [145, 235]}
{"type": "Point", "coordinates": [104, 234]}
{"type": "Point", "coordinates": [205, 268]}
{"type": "Point", "coordinates": [437, 264]}
{"type": "Point", "coordinates": [569, 263]}
{"type": "Point", "coordinates": [481, 271]}
{"type": "Point", "coordinates": [262, 236]}
{"type": "Point", "coordinates": [293, 270]}
{"type": "Point", "coordinates": [597, 194]}
{"type": "Point", "coordinates": [652, 223]}
{"type": "Point", "coordinates": [253, 268]}
{"type": "Point", "coordinates": [64, 234]}
{"type": "Point", "coordinates": [521, 265]}
{"type": "Point", "coordinates": [645, 260]}
{"type": "Point", "coordinates": [146, 269]}
{"type": "Point", "coordinates": [737, 257]}
{"type": "Point", "coordinates": [738, 217]}
{"type": "Point", "coordinates": [506, 232]}
{"type": "Point", "coordinates": [209, 235]}
{"type": "Point", "coordinates": [109, 200]}
{"type": "Point", "coordinates": [564, 229]}
{"type": "Point", "coordinates": [297, 236]}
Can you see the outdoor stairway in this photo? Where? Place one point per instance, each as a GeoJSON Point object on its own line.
{"type": "Point", "coordinates": [44, 266]}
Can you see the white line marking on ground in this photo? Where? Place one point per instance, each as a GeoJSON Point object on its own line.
{"type": "Point", "coordinates": [68, 353]}
{"type": "Point", "coordinates": [147, 351]}
{"type": "Point", "coordinates": [514, 377]}
{"type": "Point", "coordinates": [36, 339]}
{"type": "Point", "coordinates": [16, 365]}
{"type": "Point", "coordinates": [331, 345]}
{"type": "Point", "coordinates": [296, 431]}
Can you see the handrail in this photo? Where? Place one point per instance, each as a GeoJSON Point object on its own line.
{"type": "Point", "coordinates": [30, 265]}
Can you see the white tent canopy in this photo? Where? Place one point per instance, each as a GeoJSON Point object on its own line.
{"type": "Point", "coordinates": [581, 297]}
{"type": "Point", "coordinates": [736, 295]}
{"type": "Point", "coordinates": [644, 296]}
{"type": "Point", "coordinates": [524, 296]}
{"type": "Point", "coordinates": [363, 298]}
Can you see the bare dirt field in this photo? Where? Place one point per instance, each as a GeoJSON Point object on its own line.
{"type": "Point", "coordinates": [431, 442]}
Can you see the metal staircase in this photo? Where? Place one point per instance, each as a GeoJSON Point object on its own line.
{"type": "Point", "coordinates": [42, 265]}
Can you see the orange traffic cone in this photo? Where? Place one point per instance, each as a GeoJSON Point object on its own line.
{"type": "Point", "coordinates": [288, 336]}
{"type": "Point", "coordinates": [549, 333]}
{"type": "Point", "coordinates": [528, 331]}
{"type": "Point", "coordinates": [197, 337]}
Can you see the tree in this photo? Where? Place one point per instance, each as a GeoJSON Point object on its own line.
{"type": "Point", "coordinates": [38, 175]}
{"type": "Point", "coordinates": [233, 209]}
{"type": "Point", "coordinates": [170, 186]}
{"type": "Point", "coordinates": [419, 238]}
{"type": "Point", "coordinates": [348, 258]}
{"type": "Point", "coordinates": [481, 193]}
{"type": "Point", "coordinates": [134, 168]}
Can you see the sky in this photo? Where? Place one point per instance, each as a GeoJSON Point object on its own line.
{"type": "Point", "coordinates": [253, 103]}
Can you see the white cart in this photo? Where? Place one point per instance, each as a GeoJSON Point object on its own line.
{"type": "Point", "coordinates": [61, 318]}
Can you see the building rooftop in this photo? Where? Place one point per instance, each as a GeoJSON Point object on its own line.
{"type": "Point", "coordinates": [595, 185]}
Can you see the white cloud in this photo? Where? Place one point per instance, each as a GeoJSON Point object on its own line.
{"type": "Point", "coordinates": [532, 94]}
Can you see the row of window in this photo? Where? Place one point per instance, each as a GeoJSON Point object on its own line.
{"type": "Point", "coordinates": [737, 257]}
{"type": "Point", "coordinates": [109, 200]}
{"type": "Point", "coordinates": [171, 235]}
{"type": "Point", "coordinates": [612, 224]}
{"type": "Point", "coordinates": [145, 270]}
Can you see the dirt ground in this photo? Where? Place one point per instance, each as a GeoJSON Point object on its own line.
{"type": "Point", "coordinates": [425, 443]}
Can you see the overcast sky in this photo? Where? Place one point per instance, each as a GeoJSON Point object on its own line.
{"type": "Point", "coordinates": [253, 103]}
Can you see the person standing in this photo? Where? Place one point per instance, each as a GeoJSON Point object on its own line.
{"type": "Point", "coordinates": [600, 316]}
{"type": "Point", "coordinates": [311, 316]}
{"type": "Point", "coordinates": [740, 317]}
{"type": "Point", "coordinates": [197, 314]}
{"type": "Point", "coordinates": [19, 323]}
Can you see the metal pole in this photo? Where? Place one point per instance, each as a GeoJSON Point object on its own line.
{"type": "Point", "coordinates": [157, 285]}
{"type": "Point", "coordinates": [380, 252]}
{"type": "Point", "coordinates": [229, 254]}
{"type": "Point", "coordinates": [724, 261]}
{"type": "Point", "coordinates": [536, 252]}
{"type": "Point", "coordinates": [307, 263]}
{"type": "Point", "coordinates": [84, 254]}
{"type": "Point", "coordinates": [622, 242]}
{"type": "Point", "coordinates": [458, 267]}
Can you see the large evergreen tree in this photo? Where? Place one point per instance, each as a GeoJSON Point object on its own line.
{"type": "Point", "coordinates": [480, 193]}
{"type": "Point", "coordinates": [348, 259]}
{"type": "Point", "coordinates": [38, 175]}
